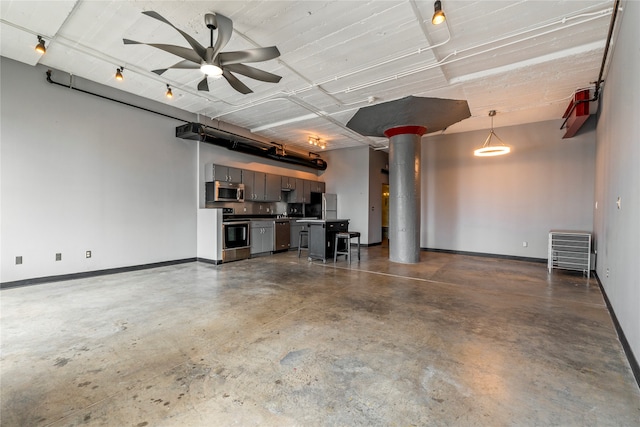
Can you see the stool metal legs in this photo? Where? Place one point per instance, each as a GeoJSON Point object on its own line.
{"type": "Point", "coordinates": [346, 236]}
{"type": "Point", "coordinates": [303, 233]}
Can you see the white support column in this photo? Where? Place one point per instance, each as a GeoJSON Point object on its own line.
{"type": "Point", "coordinates": [404, 193]}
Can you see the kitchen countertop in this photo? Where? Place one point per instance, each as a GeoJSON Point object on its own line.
{"type": "Point", "coordinates": [320, 221]}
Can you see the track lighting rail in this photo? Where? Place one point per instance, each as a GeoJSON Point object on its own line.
{"type": "Point", "coordinates": [50, 80]}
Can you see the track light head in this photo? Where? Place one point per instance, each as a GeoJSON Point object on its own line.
{"type": "Point", "coordinates": [169, 94]}
{"type": "Point", "coordinates": [119, 75]}
{"type": "Point", "coordinates": [438, 14]}
{"type": "Point", "coordinates": [40, 48]}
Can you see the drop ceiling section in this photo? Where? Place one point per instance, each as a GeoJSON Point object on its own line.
{"type": "Point", "coordinates": [336, 56]}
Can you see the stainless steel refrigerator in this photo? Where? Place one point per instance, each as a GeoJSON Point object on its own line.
{"type": "Point", "coordinates": [329, 206]}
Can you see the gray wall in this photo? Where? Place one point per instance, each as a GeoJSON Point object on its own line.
{"type": "Point", "coordinates": [347, 175]}
{"type": "Point", "coordinates": [617, 165]}
{"type": "Point", "coordinates": [494, 204]}
{"type": "Point", "coordinates": [81, 173]}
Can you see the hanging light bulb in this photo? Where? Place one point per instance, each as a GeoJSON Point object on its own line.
{"type": "Point", "coordinates": [438, 14]}
{"type": "Point", "coordinates": [487, 149]}
{"type": "Point", "coordinates": [119, 75]}
{"type": "Point", "coordinates": [40, 48]}
{"type": "Point", "coordinates": [169, 94]}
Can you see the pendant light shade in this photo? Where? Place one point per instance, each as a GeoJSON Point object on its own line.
{"type": "Point", "coordinates": [438, 14]}
{"type": "Point", "coordinates": [488, 150]}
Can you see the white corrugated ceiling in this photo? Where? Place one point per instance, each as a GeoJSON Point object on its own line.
{"type": "Point", "coordinates": [524, 59]}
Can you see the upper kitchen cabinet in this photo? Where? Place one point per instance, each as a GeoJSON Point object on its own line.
{"type": "Point", "coordinates": [273, 191]}
{"type": "Point", "coordinates": [288, 183]}
{"type": "Point", "coordinates": [254, 185]}
{"type": "Point", "coordinates": [297, 194]}
{"type": "Point", "coordinates": [317, 187]}
{"type": "Point", "coordinates": [222, 173]}
{"type": "Point", "coordinates": [311, 187]}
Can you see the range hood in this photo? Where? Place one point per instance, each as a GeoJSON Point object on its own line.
{"type": "Point", "coordinates": [234, 142]}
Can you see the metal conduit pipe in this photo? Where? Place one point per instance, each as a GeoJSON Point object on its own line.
{"type": "Point", "coordinates": [446, 60]}
{"type": "Point", "coordinates": [589, 17]}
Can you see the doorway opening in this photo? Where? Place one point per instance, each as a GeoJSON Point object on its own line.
{"type": "Point", "coordinates": [385, 214]}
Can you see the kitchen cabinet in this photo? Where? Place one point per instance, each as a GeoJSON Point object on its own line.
{"type": "Point", "coordinates": [222, 173]}
{"type": "Point", "coordinates": [297, 194]}
{"type": "Point", "coordinates": [287, 183]}
{"type": "Point", "coordinates": [306, 191]}
{"type": "Point", "coordinates": [273, 191]}
{"type": "Point", "coordinates": [322, 235]}
{"type": "Point", "coordinates": [254, 185]}
{"type": "Point", "coordinates": [317, 187]}
{"type": "Point", "coordinates": [262, 237]}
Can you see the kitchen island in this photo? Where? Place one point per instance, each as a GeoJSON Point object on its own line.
{"type": "Point", "coordinates": [322, 235]}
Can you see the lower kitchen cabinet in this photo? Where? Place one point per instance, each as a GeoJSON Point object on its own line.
{"type": "Point", "coordinates": [262, 237]}
{"type": "Point", "coordinates": [322, 235]}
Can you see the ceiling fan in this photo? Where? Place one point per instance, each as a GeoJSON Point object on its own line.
{"type": "Point", "coordinates": [210, 60]}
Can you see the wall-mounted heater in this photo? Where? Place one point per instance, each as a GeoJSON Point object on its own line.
{"type": "Point", "coordinates": [578, 112]}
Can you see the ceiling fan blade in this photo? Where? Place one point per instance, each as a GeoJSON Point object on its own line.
{"type": "Point", "coordinates": [249, 55]}
{"type": "Point", "coordinates": [203, 85]}
{"type": "Point", "coordinates": [254, 73]}
{"type": "Point", "coordinates": [182, 52]}
{"type": "Point", "coordinates": [225, 31]}
{"type": "Point", "coordinates": [180, 65]}
{"type": "Point", "coordinates": [235, 83]}
{"type": "Point", "coordinates": [197, 47]}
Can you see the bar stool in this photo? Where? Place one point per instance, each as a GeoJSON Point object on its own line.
{"type": "Point", "coordinates": [303, 233]}
{"type": "Point", "coordinates": [345, 237]}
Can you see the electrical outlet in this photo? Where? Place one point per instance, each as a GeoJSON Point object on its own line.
{"type": "Point", "coordinates": [18, 260]}
{"type": "Point", "coordinates": [525, 244]}
{"type": "Point", "coordinates": [58, 256]}
{"type": "Point", "coordinates": [87, 254]}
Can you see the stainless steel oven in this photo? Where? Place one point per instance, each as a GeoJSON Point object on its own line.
{"type": "Point", "coordinates": [236, 242]}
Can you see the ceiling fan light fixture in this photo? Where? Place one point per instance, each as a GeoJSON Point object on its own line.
{"type": "Point", "coordinates": [438, 15]}
{"type": "Point", "coordinates": [119, 75]}
{"type": "Point", "coordinates": [488, 150]}
{"type": "Point", "coordinates": [40, 48]}
{"type": "Point", "coordinates": [169, 94]}
{"type": "Point", "coordinates": [211, 70]}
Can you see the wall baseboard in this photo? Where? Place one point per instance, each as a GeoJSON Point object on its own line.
{"type": "Point", "coordinates": [633, 362]}
{"type": "Point", "coordinates": [482, 254]}
{"type": "Point", "coordinates": [209, 261]}
{"type": "Point", "coordinates": [85, 274]}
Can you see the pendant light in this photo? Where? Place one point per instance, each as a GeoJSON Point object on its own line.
{"type": "Point", "coordinates": [119, 75]}
{"type": "Point", "coordinates": [169, 94]}
{"type": "Point", "coordinates": [438, 14]}
{"type": "Point", "coordinates": [40, 46]}
{"type": "Point", "coordinates": [487, 149]}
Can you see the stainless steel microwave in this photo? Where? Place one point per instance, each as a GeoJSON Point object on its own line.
{"type": "Point", "coordinates": [220, 191]}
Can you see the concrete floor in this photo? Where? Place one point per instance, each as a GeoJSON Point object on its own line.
{"type": "Point", "coordinates": [278, 341]}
